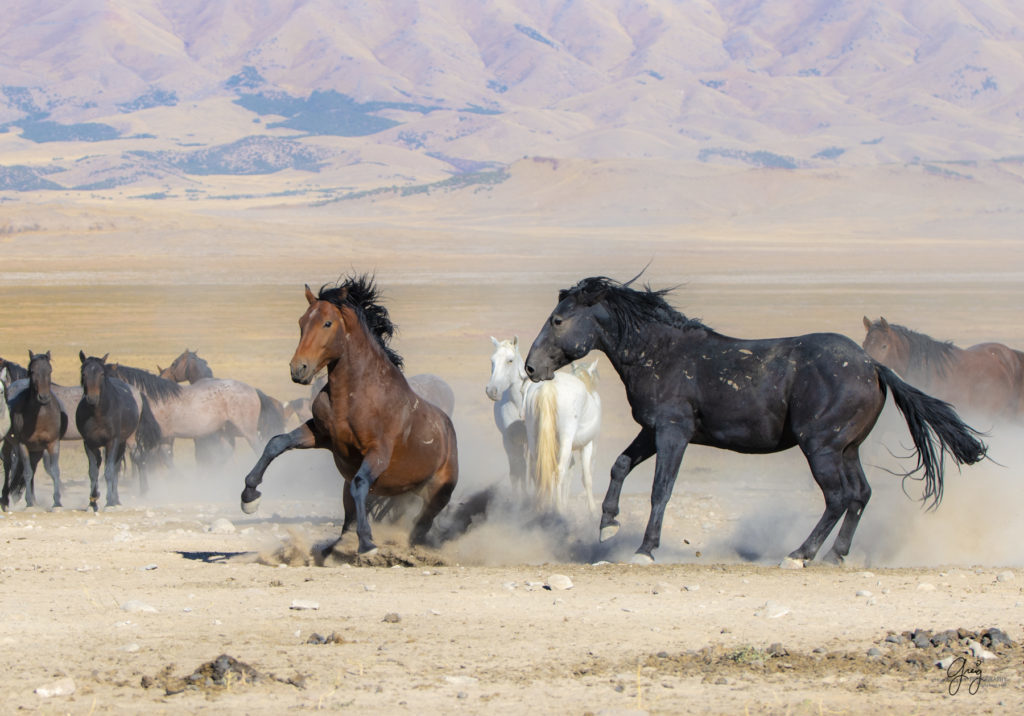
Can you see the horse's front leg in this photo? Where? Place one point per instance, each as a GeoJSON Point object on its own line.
{"type": "Point", "coordinates": [115, 455]}
{"type": "Point", "coordinates": [301, 438]}
{"type": "Point", "coordinates": [28, 462]}
{"type": "Point", "coordinates": [671, 442]}
{"type": "Point", "coordinates": [92, 452]}
{"type": "Point", "coordinates": [51, 463]}
{"type": "Point", "coordinates": [374, 463]}
{"type": "Point", "coordinates": [639, 450]}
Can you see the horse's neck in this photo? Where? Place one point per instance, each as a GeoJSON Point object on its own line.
{"type": "Point", "coordinates": [364, 359]}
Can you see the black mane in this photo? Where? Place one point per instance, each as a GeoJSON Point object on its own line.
{"type": "Point", "coordinates": [17, 372]}
{"type": "Point", "coordinates": [631, 308]}
{"type": "Point", "coordinates": [924, 351]}
{"type": "Point", "coordinates": [361, 294]}
{"type": "Point", "coordinates": [151, 385]}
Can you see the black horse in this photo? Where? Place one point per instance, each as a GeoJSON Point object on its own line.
{"type": "Point", "coordinates": [107, 417]}
{"type": "Point", "coordinates": [38, 422]}
{"type": "Point", "coordinates": [688, 384]}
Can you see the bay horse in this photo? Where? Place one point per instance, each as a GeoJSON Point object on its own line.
{"type": "Point", "coordinates": [686, 383]}
{"type": "Point", "coordinates": [386, 440]}
{"type": "Point", "coordinates": [38, 422]}
{"type": "Point", "coordinates": [985, 380]}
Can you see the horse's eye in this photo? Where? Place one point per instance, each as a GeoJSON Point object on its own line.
{"type": "Point", "coordinates": [556, 320]}
{"type": "Point", "coordinates": [327, 324]}
{"type": "Point", "coordinates": [510, 361]}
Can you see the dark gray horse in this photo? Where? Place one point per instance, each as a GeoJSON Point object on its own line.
{"type": "Point", "coordinates": [688, 384]}
{"type": "Point", "coordinates": [38, 422]}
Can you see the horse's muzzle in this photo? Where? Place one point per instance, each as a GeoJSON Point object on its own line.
{"type": "Point", "coordinates": [492, 393]}
{"type": "Point", "coordinates": [43, 399]}
{"type": "Point", "coordinates": [91, 399]}
{"type": "Point", "coordinates": [302, 373]}
{"type": "Point", "coordinates": [537, 374]}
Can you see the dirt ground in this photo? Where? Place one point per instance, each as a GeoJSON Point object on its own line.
{"type": "Point", "coordinates": [179, 603]}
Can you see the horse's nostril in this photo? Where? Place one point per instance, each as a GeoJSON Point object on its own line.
{"type": "Point", "coordinates": [529, 369]}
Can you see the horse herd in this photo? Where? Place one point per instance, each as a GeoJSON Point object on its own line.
{"type": "Point", "coordinates": [389, 435]}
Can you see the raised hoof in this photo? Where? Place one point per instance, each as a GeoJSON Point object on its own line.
{"type": "Point", "coordinates": [608, 531]}
{"type": "Point", "coordinates": [250, 507]}
{"type": "Point", "coordinates": [790, 563]}
{"type": "Point", "coordinates": [369, 553]}
{"type": "Point", "coordinates": [641, 558]}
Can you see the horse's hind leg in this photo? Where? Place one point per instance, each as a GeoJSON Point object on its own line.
{"type": "Point", "coordinates": [858, 492]}
{"type": "Point", "coordinates": [435, 499]}
{"type": "Point", "coordinates": [827, 469]}
{"type": "Point", "coordinates": [115, 458]}
{"type": "Point", "coordinates": [51, 463]}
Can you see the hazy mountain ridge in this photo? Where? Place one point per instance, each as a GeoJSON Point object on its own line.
{"type": "Point", "coordinates": [807, 84]}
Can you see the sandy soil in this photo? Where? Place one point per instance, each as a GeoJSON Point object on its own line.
{"type": "Point", "coordinates": [135, 605]}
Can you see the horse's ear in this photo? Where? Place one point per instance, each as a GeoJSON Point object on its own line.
{"type": "Point", "coordinates": [31, 355]}
{"type": "Point", "coordinates": [309, 295]}
{"type": "Point", "coordinates": [496, 342]}
{"type": "Point", "coordinates": [883, 323]}
{"type": "Point", "coordinates": [81, 356]}
{"type": "Point", "coordinates": [867, 323]}
{"type": "Point", "coordinates": [515, 342]}
{"type": "Point", "coordinates": [104, 358]}
{"type": "Point", "coordinates": [159, 370]}
{"type": "Point", "coordinates": [592, 368]}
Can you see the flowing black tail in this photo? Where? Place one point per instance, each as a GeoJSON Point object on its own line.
{"type": "Point", "coordinates": [936, 430]}
{"type": "Point", "coordinates": [148, 434]}
{"type": "Point", "coordinates": [271, 421]}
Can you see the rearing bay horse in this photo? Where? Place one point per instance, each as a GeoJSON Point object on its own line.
{"type": "Point", "coordinates": [385, 438]}
{"type": "Point", "coordinates": [688, 384]}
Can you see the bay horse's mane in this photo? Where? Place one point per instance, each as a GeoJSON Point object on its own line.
{"type": "Point", "coordinates": [631, 308]}
{"type": "Point", "coordinates": [154, 386]}
{"type": "Point", "coordinates": [360, 293]}
{"type": "Point", "coordinates": [924, 351]}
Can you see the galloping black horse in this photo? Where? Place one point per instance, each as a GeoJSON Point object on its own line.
{"type": "Point", "coordinates": [688, 384]}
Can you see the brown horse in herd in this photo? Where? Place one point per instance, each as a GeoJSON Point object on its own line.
{"type": "Point", "coordinates": [983, 381]}
{"type": "Point", "coordinates": [385, 438]}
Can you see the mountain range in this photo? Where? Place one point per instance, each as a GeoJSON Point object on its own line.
{"type": "Point", "coordinates": [327, 99]}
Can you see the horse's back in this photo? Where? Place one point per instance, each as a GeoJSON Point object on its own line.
{"type": "Point", "coordinates": [434, 389]}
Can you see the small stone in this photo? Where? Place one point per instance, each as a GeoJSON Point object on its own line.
{"type": "Point", "coordinates": [946, 663]}
{"type": "Point", "coordinates": [461, 680]}
{"type": "Point", "coordinates": [392, 618]}
{"type": "Point", "coordinates": [134, 605]}
{"type": "Point", "coordinates": [301, 604]}
{"type": "Point", "coordinates": [790, 563]}
{"type": "Point", "coordinates": [691, 587]}
{"type": "Point", "coordinates": [1005, 576]}
{"type": "Point", "coordinates": [874, 652]}
{"type": "Point", "coordinates": [772, 610]}
{"type": "Point", "coordinates": [994, 638]}
{"type": "Point", "coordinates": [863, 593]}
{"type": "Point", "coordinates": [147, 568]}
{"type": "Point", "coordinates": [222, 526]}
{"type": "Point", "coordinates": [777, 650]}
{"type": "Point", "coordinates": [895, 639]}
{"type": "Point", "coordinates": [60, 687]}
{"type": "Point", "coordinates": [926, 587]}
{"type": "Point", "coordinates": [130, 648]}
{"type": "Point", "coordinates": [559, 581]}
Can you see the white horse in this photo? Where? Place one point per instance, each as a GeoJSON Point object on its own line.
{"type": "Point", "coordinates": [506, 388]}
{"type": "Point", "coordinates": [560, 419]}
